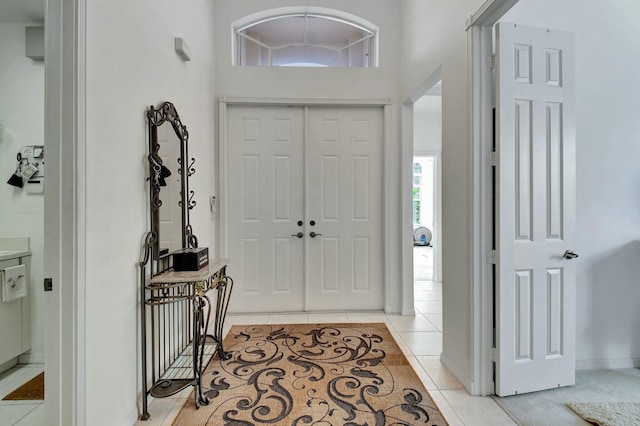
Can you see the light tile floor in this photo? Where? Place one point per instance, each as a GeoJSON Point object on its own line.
{"type": "Point", "coordinates": [20, 413]}
{"type": "Point", "coordinates": [419, 337]}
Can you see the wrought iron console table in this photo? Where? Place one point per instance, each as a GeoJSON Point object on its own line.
{"type": "Point", "coordinates": [178, 307]}
{"type": "Point", "coordinates": [175, 306]}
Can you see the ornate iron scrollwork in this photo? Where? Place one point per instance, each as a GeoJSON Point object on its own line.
{"type": "Point", "coordinates": [156, 117]}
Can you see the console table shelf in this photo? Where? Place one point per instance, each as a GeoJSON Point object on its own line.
{"type": "Point", "coordinates": [176, 316]}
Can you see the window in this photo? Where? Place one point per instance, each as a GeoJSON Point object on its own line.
{"type": "Point", "coordinates": [306, 39]}
{"type": "Point", "coordinates": [417, 193]}
{"type": "Point", "coordinates": [423, 190]}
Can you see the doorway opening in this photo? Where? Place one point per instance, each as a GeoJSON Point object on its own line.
{"type": "Point", "coordinates": [423, 217]}
{"type": "Point", "coordinates": [426, 202]}
{"type": "Point", "coordinates": [22, 211]}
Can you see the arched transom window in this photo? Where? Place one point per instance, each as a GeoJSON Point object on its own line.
{"type": "Point", "coordinates": [306, 39]}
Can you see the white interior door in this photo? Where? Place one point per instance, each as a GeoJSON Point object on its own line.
{"type": "Point", "coordinates": [294, 172]}
{"type": "Point", "coordinates": [266, 182]}
{"type": "Point", "coordinates": [344, 200]}
{"type": "Point", "coordinates": [535, 283]}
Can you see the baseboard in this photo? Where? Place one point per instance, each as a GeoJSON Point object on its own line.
{"type": "Point", "coordinates": [31, 359]}
{"type": "Point", "coordinates": [7, 365]}
{"type": "Point", "coordinates": [392, 310]}
{"type": "Point", "coordinates": [607, 364]}
{"type": "Point", "coordinates": [464, 380]}
{"type": "Point", "coordinates": [410, 312]}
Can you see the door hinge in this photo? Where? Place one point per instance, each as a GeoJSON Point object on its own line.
{"type": "Point", "coordinates": [492, 61]}
{"type": "Point", "coordinates": [48, 284]}
{"type": "Point", "coordinates": [493, 355]}
{"type": "Point", "coordinates": [492, 159]}
{"type": "Point", "coordinates": [492, 257]}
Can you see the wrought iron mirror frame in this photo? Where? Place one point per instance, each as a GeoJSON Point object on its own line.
{"type": "Point", "coordinates": [167, 113]}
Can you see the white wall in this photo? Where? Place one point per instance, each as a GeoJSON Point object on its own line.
{"type": "Point", "coordinates": [607, 167]}
{"type": "Point", "coordinates": [434, 36]}
{"type": "Point", "coordinates": [131, 64]}
{"type": "Point", "coordinates": [607, 40]}
{"type": "Point", "coordinates": [22, 119]}
{"type": "Point", "coordinates": [427, 125]}
{"type": "Point", "coordinates": [135, 66]}
{"type": "Point", "coordinates": [323, 83]}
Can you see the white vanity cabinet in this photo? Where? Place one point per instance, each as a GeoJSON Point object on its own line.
{"type": "Point", "coordinates": [15, 316]}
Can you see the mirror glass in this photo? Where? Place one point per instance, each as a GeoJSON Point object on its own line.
{"type": "Point", "coordinates": [170, 213]}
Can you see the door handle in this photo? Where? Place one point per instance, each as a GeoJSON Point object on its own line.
{"type": "Point", "coordinates": [313, 234]}
{"type": "Point", "coordinates": [570, 254]}
{"type": "Point", "coordinates": [299, 235]}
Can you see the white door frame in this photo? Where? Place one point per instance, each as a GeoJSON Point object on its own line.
{"type": "Point", "coordinates": [406, 196]}
{"type": "Point", "coordinates": [222, 224]}
{"type": "Point", "coordinates": [64, 208]}
{"type": "Point", "coordinates": [479, 51]}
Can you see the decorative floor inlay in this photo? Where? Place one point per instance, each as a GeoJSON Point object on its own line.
{"type": "Point", "coordinates": [312, 374]}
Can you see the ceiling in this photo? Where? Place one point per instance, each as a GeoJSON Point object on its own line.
{"type": "Point", "coordinates": [22, 11]}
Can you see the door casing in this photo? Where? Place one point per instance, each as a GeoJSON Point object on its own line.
{"type": "Point", "coordinates": [479, 51]}
{"type": "Point", "coordinates": [222, 242]}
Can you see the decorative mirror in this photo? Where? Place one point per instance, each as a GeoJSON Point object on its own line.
{"type": "Point", "coordinates": [170, 168]}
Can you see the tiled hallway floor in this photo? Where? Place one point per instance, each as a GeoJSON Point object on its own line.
{"type": "Point", "coordinates": [20, 413]}
{"type": "Point", "coordinates": [419, 337]}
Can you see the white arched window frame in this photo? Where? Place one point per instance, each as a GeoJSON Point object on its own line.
{"type": "Point", "coordinates": [265, 51]}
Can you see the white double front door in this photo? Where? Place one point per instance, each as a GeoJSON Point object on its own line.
{"type": "Point", "coordinates": [304, 211]}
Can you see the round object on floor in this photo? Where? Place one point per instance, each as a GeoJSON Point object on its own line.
{"type": "Point", "coordinates": [421, 235]}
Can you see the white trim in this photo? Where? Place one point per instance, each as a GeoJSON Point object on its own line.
{"type": "Point", "coordinates": [406, 212]}
{"type": "Point", "coordinates": [224, 102]}
{"type": "Point", "coordinates": [489, 13]}
{"type": "Point", "coordinates": [81, 210]}
{"type": "Point", "coordinates": [65, 211]}
{"type": "Point", "coordinates": [424, 88]}
{"type": "Point", "coordinates": [303, 102]}
{"type": "Point", "coordinates": [386, 214]}
{"type": "Point", "coordinates": [30, 359]}
{"type": "Point", "coordinates": [222, 224]}
{"type": "Point", "coordinates": [479, 42]}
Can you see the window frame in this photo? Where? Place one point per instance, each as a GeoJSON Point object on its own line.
{"type": "Point", "coordinates": [371, 40]}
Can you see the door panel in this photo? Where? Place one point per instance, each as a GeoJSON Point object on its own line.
{"type": "Point", "coordinates": [265, 164]}
{"type": "Point", "coordinates": [535, 207]}
{"type": "Point", "coordinates": [332, 178]}
{"type": "Point", "coordinates": [344, 199]}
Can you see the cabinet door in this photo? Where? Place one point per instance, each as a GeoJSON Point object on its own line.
{"type": "Point", "coordinates": [10, 323]}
